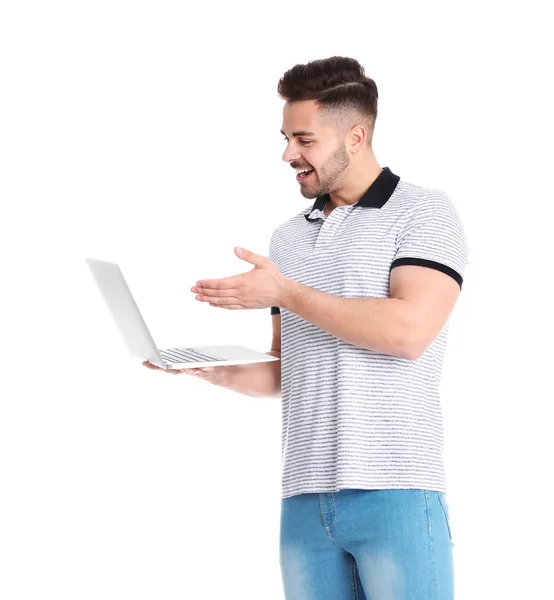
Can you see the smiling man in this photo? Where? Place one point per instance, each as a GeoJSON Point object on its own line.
{"type": "Point", "coordinates": [380, 262]}
{"type": "Point", "coordinates": [361, 285]}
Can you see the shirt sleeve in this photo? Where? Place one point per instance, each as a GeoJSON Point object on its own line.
{"type": "Point", "coordinates": [433, 236]}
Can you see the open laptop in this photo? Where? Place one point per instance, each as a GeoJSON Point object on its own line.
{"type": "Point", "coordinates": [126, 314]}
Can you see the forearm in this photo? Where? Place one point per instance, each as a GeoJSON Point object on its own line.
{"type": "Point", "coordinates": [257, 379]}
{"type": "Point", "coordinates": [381, 324]}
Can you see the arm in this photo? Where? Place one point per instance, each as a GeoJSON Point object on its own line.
{"type": "Point", "coordinates": [402, 325]}
{"type": "Point", "coordinates": [260, 379]}
{"type": "Point", "coordinates": [379, 324]}
{"type": "Point", "coordinates": [255, 379]}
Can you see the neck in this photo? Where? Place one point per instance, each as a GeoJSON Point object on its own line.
{"type": "Point", "coordinates": [356, 184]}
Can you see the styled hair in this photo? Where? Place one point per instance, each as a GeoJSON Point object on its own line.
{"type": "Point", "coordinates": [343, 93]}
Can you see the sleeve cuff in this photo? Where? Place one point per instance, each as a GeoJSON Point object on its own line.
{"type": "Point", "coordinates": [420, 262]}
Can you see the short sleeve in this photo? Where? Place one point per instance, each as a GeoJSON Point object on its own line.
{"type": "Point", "coordinates": [432, 236]}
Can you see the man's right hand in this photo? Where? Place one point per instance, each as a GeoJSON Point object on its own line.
{"type": "Point", "coordinates": [216, 375]}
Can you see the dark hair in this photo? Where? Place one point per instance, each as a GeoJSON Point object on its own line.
{"type": "Point", "coordinates": [338, 84]}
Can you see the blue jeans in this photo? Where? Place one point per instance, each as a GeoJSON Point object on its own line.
{"type": "Point", "coordinates": [366, 545]}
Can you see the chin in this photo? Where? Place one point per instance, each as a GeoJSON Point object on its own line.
{"type": "Point", "coordinates": [310, 195]}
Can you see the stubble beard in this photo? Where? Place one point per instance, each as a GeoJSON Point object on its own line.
{"type": "Point", "coordinates": [331, 172]}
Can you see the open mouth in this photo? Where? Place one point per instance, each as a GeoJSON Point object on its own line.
{"type": "Point", "coordinates": [304, 174]}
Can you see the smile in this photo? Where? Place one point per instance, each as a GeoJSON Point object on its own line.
{"type": "Point", "coordinates": [304, 174]}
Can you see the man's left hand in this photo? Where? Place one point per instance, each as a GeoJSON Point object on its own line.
{"type": "Point", "coordinates": [262, 287]}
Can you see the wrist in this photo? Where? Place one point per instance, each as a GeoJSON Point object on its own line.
{"type": "Point", "coordinates": [291, 291]}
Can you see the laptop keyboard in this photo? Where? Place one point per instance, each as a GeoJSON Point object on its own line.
{"type": "Point", "coordinates": [185, 355]}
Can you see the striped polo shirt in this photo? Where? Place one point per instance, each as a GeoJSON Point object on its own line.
{"type": "Point", "coordinates": [352, 417]}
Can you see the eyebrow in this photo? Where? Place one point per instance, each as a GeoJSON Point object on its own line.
{"type": "Point", "coordinates": [298, 133]}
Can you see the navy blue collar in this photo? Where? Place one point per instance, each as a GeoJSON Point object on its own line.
{"type": "Point", "coordinates": [376, 195]}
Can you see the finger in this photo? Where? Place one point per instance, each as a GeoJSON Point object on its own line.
{"type": "Point", "coordinates": [221, 284]}
{"type": "Point", "coordinates": [223, 299]}
{"type": "Point", "coordinates": [203, 371]}
{"type": "Point", "coordinates": [227, 301]}
{"type": "Point", "coordinates": [184, 371]}
{"type": "Point", "coordinates": [150, 366]}
{"type": "Point", "coordinates": [215, 293]}
{"type": "Point", "coordinates": [230, 306]}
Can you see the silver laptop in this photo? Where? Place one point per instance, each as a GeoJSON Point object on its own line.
{"type": "Point", "coordinates": [126, 314]}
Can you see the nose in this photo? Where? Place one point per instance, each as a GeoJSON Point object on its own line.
{"type": "Point", "coordinates": [290, 154]}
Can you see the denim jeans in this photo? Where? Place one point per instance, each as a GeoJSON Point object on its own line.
{"type": "Point", "coordinates": [356, 544]}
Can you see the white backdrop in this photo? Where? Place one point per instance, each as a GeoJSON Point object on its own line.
{"type": "Point", "coordinates": [147, 133]}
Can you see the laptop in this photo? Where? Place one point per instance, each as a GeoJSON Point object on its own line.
{"type": "Point", "coordinates": [127, 317]}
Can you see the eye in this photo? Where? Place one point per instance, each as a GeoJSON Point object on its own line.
{"type": "Point", "coordinates": [303, 142]}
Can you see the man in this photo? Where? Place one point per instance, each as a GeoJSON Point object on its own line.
{"type": "Point", "coordinates": [361, 285]}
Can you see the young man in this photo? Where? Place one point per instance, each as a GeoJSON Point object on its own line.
{"type": "Point", "coordinates": [361, 287]}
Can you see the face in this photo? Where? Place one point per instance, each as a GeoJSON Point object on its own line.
{"type": "Point", "coordinates": [315, 146]}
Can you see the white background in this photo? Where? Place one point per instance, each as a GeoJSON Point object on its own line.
{"type": "Point", "coordinates": [147, 133]}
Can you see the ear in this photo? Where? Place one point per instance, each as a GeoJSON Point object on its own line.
{"type": "Point", "coordinates": [358, 138]}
